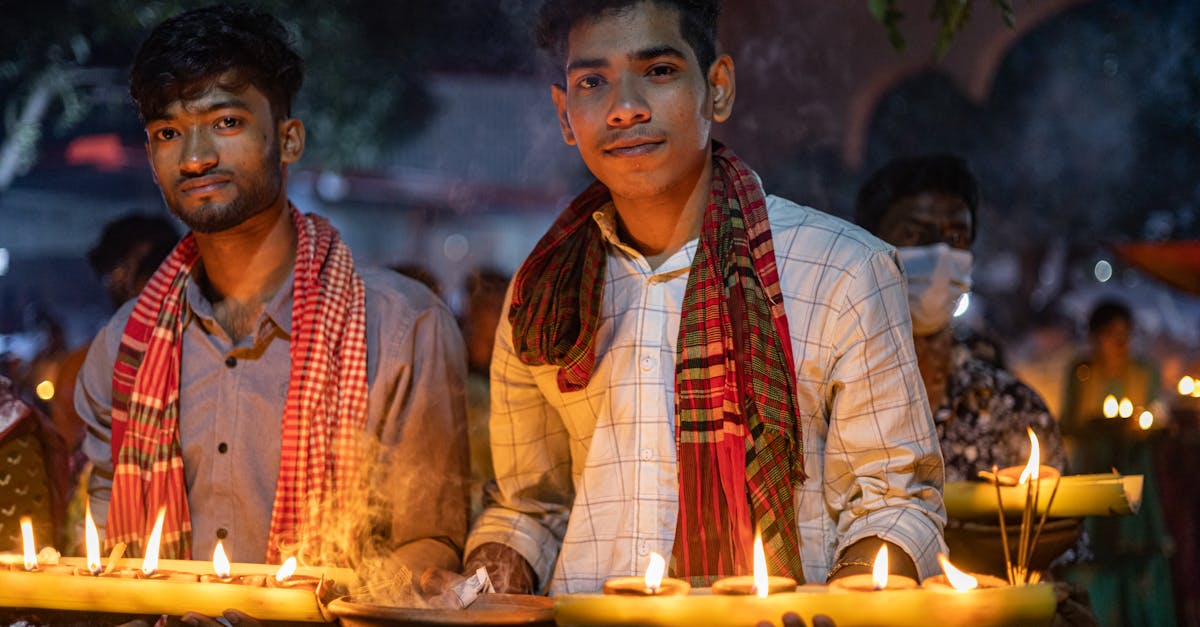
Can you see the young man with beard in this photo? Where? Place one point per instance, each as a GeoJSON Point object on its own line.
{"type": "Point", "coordinates": [685, 360]}
{"type": "Point", "coordinates": [261, 379]}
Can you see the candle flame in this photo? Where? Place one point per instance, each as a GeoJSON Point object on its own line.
{"type": "Point", "coordinates": [91, 541]}
{"type": "Point", "coordinates": [654, 572]}
{"type": "Point", "coordinates": [1035, 459]}
{"type": "Point", "coordinates": [1146, 420]}
{"type": "Point", "coordinates": [957, 578]}
{"type": "Point", "coordinates": [28, 544]}
{"type": "Point", "coordinates": [220, 561]}
{"type": "Point", "coordinates": [150, 561]}
{"type": "Point", "coordinates": [286, 571]}
{"type": "Point", "coordinates": [879, 574]}
{"type": "Point", "coordinates": [761, 583]}
{"type": "Point", "coordinates": [1187, 385]}
{"type": "Point", "coordinates": [1125, 409]}
{"type": "Point", "coordinates": [1110, 406]}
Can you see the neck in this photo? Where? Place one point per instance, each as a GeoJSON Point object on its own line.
{"type": "Point", "coordinates": [659, 225]}
{"type": "Point", "coordinates": [248, 263]}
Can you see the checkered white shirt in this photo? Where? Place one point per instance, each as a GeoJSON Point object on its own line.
{"type": "Point", "coordinates": [586, 481]}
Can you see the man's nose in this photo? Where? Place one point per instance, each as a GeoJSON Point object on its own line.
{"type": "Point", "coordinates": [628, 105]}
{"type": "Point", "coordinates": [199, 153]}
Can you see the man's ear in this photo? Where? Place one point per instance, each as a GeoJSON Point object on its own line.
{"type": "Point", "coordinates": [291, 140]}
{"type": "Point", "coordinates": [559, 94]}
{"type": "Point", "coordinates": [723, 87]}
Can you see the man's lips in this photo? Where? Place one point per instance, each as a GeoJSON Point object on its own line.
{"type": "Point", "coordinates": [203, 184]}
{"type": "Point", "coordinates": [634, 147]}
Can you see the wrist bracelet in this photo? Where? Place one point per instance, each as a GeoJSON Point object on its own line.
{"type": "Point", "coordinates": [840, 565]}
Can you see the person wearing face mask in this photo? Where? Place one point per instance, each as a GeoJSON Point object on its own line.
{"type": "Point", "coordinates": [925, 206]}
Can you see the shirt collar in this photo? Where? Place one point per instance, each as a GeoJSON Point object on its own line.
{"type": "Point", "coordinates": [606, 218]}
{"type": "Point", "coordinates": [278, 311]}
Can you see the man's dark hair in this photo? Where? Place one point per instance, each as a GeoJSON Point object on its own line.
{"type": "Point", "coordinates": [697, 23]}
{"type": "Point", "coordinates": [123, 236]}
{"type": "Point", "coordinates": [911, 176]}
{"type": "Point", "coordinates": [186, 54]}
{"type": "Point", "coordinates": [1107, 312]}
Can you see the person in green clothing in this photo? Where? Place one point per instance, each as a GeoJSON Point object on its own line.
{"type": "Point", "coordinates": [1129, 581]}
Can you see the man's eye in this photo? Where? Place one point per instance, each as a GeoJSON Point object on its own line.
{"type": "Point", "coordinates": [661, 70]}
{"type": "Point", "coordinates": [589, 82]}
{"type": "Point", "coordinates": [228, 122]}
{"type": "Point", "coordinates": [165, 134]}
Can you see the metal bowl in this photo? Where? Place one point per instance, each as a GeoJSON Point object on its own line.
{"type": "Point", "coordinates": [488, 609]}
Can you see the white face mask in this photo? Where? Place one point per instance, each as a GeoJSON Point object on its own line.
{"type": "Point", "coordinates": [938, 276]}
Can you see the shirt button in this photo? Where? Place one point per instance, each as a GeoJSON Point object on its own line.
{"type": "Point", "coordinates": [222, 447]}
{"type": "Point", "coordinates": [647, 363]}
{"type": "Point", "coordinates": [230, 361]}
{"type": "Point", "coordinates": [643, 548]}
{"type": "Point", "coordinates": [222, 533]}
{"type": "Point", "coordinates": [647, 454]}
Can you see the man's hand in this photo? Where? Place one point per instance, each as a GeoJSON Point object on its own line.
{"type": "Point", "coordinates": [792, 619]}
{"type": "Point", "coordinates": [228, 617]}
{"type": "Point", "coordinates": [858, 558]}
{"type": "Point", "coordinates": [509, 572]}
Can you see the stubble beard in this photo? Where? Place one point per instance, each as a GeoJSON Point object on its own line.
{"type": "Point", "coordinates": [251, 200]}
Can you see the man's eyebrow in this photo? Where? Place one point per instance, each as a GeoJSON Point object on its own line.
{"type": "Point", "coordinates": [645, 54]}
{"type": "Point", "coordinates": [228, 103]}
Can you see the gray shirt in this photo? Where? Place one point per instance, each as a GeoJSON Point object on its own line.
{"type": "Point", "coordinates": [231, 406]}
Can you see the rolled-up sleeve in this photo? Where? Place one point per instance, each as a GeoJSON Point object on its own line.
{"type": "Point", "coordinates": [883, 464]}
{"type": "Point", "coordinates": [531, 453]}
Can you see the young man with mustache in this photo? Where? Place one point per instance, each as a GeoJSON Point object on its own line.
{"type": "Point", "coordinates": [685, 360]}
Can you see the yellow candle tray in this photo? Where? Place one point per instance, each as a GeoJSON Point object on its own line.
{"type": "Point", "coordinates": [1078, 496]}
{"type": "Point", "coordinates": [995, 607]}
{"type": "Point", "coordinates": [87, 593]}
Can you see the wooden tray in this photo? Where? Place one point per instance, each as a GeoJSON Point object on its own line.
{"type": "Point", "coordinates": [488, 609]}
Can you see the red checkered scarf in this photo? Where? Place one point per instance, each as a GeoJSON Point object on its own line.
{"type": "Point", "coordinates": [324, 415]}
{"type": "Point", "coordinates": [738, 439]}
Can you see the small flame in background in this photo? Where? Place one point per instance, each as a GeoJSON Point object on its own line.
{"type": "Point", "coordinates": [957, 578]}
{"type": "Point", "coordinates": [1111, 406]}
{"type": "Point", "coordinates": [761, 582]}
{"type": "Point", "coordinates": [220, 561]}
{"type": "Point", "coordinates": [150, 562]}
{"type": "Point", "coordinates": [1146, 420]}
{"type": "Point", "coordinates": [1187, 386]}
{"type": "Point", "coordinates": [286, 571]}
{"type": "Point", "coordinates": [91, 541]}
{"type": "Point", "coordinates": [1035, 459]}
{"type": "Point", "coordinates": [879, 574]}
{"type": "Point", "coordinates": [1125, 408]}
{"type": "Point", "coordinates": [28, 543]}
{"type": "Point", "coordinates": [655, 571]}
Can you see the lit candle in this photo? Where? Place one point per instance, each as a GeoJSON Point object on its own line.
{"type": "Point", "coordinates": [150, 561]}
{"type": "Point", "coordinates": [1125, 408]}
{"type": "Point", "coordinates": [91, 541]}
{"type": "Point", "coordinates": [955, 579]}
{"type": "Point", "coordinates": [27, 543]}
{"type": "Point", "coordinates": [1146, 420]}
{"type": "Point", "coordinates": [761, 583]}
{"type": "Point", "coordinates": [1187, 385]}
{"type": "Point", "coordinates": [653, 583]}
{"type": "Point", "coordinates": [879, 579]}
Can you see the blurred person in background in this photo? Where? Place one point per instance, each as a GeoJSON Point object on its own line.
{"type": "Point", "coordinates": [485, 290]}
{"type": "Point", "coordinates": [1130, 580]}
{"type": "Point", "coordinates": [926, 206]}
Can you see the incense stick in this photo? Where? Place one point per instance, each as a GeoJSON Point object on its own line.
{"type": "Point", "coordinates": [1008, 569]}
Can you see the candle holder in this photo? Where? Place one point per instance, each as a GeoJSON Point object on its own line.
{"type": "Point", "coordinates": [866, 583]}
{"type": "Point", "coordinates": [942, 582]}
{"type": "Point", "coordinates": [744, 585]}
{"type": "Point", "coordinates": [636, 586]}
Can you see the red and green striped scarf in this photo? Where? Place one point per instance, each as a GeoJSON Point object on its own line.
{"type": "Point", "coordinates": [324, 415]}
{"type": "Point", "coordinates": [738, 436]}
